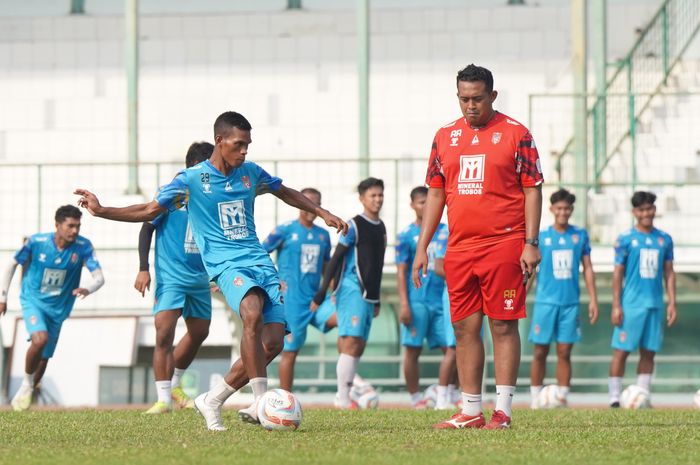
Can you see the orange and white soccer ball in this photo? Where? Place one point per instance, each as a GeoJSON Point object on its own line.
{"type": "Point", "coordinates": [549, 397]}
{"type": "Point", "coordinates": [365, 396]}
{"type": "Point", "coordinates": [430, 396]}
{"type": "Point", "coordinates": [279, 410]}
{"type": "Point", "coordinates": [634, 397]}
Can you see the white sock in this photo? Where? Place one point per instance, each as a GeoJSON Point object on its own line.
{"type": "Point", "coordinates": [345, 372]}
{"type": "Point", "coordinates": [259, 386]}
{"type": "Point", "coordinates": [563, 391]}
{"type": "Point", "coordinates": [442, 393]}
{"type": "Point", "coordinates": [28, 380]}
{"type": "Point", "coordinates": [644, 380]}
{"type": "Point", "coordinates": [415, 397]}
{"type": "Point", "coordinates": [359, 382]}
{"type": "Point", "coordinates": [504, 398]}
{"type": "Point", "coordinates": [163, 390]}
{"type": "Point", "coordinates": [471, 404]}
{"type": "Point", "coordinates": [614, 388]}
{"type": "Point", "coordinates": [218, 394]}
{"type": "Point", "coordinates": [534, 393]}
{"type": "Point", "coordinates": [177, 374]}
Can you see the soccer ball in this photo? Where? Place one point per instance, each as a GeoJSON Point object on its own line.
{"type": "Point", "coordinates": [549, 397]}
{"type": "Point", "coordinates": [634, 397]}
{"type": "Point", "coordinates": [279, 410]}
{"type": "Point", "coordinates": [365, 396]}
{"type": "Point", "coordinates": [696, 399]}
{"type": "Point", "coordinates": [430, 396]}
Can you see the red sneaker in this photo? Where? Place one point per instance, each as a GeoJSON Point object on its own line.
{"type": "Point", "coordinates": [499, 420]}
{"type": "Point", "coordinates": [459, 420]}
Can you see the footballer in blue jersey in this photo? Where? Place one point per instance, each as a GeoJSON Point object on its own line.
{"type": "Point", "coordinates": [360, 256]}
{"type": "Point", "coordinates": [643, 264]}
{"type": "Point", "coordinates": [420, 311]}
{"type": "Point", "coordinates": [303, 250]}
{"type": "Point", "coordinates": [52, 264]}
{"type": "Point", "coordinates": [556, 314]}
{"type": "Point", "coordinates": [220, 197]}
{"type": "Point", "coordinates": [182, 289]}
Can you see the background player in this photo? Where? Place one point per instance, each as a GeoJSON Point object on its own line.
{"type": "Point", "coordinates": [485, 167]}
{"type": "Point", "coordinates": [360, 254]}
{"type": "Point", "coordinates": [420, 312]}
{"type": "Point", "coordinates": [555, 316]}
{"type": "Point", "coordinates": [303, 251]}
{"type": "Point", "coordinates": [220, 195]}
{"type": "Point", "coordinates": [182, 289]}
{"type": "Point", "coordinates": [52, 264]}
{"type": "Point", "coordinates": [643, 262]}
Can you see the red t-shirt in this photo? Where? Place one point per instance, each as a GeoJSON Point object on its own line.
{"type": "Point", "coordinates": [483, 172]}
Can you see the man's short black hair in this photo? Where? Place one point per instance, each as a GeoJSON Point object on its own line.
{"type": "Point", "coordinates": [67, 211]}
{"type": "Point", "coordinates": [311, 190]}
{"type": "Point", "coordinates": [473, 73]}
{"type": "Point", "coordinates": [640, 198]}
{"type": "Point", "coordinates": [562, 195]}
{"type": "Point", "coordinates": [198, 152]}
{"type": "Point", "coordinates": [228, 120]}
{"type": "Point", "coordinates": [416, 191]}
{"type": "Point", "coordinates": [368, 183]}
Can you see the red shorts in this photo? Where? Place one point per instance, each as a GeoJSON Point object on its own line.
{"type": "Point", "coordinates": [487, 279]}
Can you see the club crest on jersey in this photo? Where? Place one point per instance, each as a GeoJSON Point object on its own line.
{"type": "Point", "coordinates": [495, 138]}
{"type": "Point", "coordinates": [471, 174]}
{"type": "Point", "coordinates": [246, 181]}
{"type": "Point", "coordinates": [454, 137]}
{"type": "Point", "coordinates": [660, 240]}
{"type": "Point", "coordinates": [74, 258]}
{"type": "Point", "coordinates": [238, 281]}
{"type": "Point", "coordinates": [574, 238]}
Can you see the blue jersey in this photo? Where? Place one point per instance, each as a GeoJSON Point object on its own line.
{"type": "Point", "coordinates": [221, 212]}
{"type": "Point", "coordinates": [301, 254]}
{"type": "Point", "coordinates": [177, 255]}
{"type": "Point", "coordinates": [51, 275]}
{"type": "Point", "coordinates": [643, 256]}
{"type": "Point", "coordinates": [349, 240]}
{"type": "Point", "coordinates": [432, 285]}
{"type": "Point", "coordinates": [557, 276]}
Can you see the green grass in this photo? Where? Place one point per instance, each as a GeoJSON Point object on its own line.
{"type": "Point", "coordinates": [365, 437]}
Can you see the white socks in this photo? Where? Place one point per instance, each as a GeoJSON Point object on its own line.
{"type": "Point", "coordinates": [614, 388]}
{"type": "Point", "coordinates": [563, 391]}
{"type": "Point", "coordinates": [259, 386]}
{"type": "Point", "coordinates": [345, 372]}
{"type": "Point", "coordinates": [177, 374]}
{"type": "Point", "coordinates": [28, 380]}
{"type": "Point", "coordinates": [163, 389]}
{"type": "Point", "coordinates": [442, 397]}
{"type": "Point", "coordinates": [471, 404]}
{"type": "Point", "coordinates": [415, 397]}
{"type": "Point", "coordinates": [534, 393]}
{"type": "Point", "coordinates": [644, 380]}
{"type": "Point", "coordinates": [219, 393]}
{"type": "Point", "coordinates": [504, 398]}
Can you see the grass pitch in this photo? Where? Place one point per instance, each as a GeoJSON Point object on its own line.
{"type": "Point", "coordinates": [360, 437]}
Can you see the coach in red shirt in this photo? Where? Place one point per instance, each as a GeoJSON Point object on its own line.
{"type": "Point", "coordinates": [486, 169]}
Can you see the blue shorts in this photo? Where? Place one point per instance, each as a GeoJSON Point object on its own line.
{"type": "Point", "coordinates": [428, 323]}
{"type": "Point", "coordinates": [195, 302]}
{"type": "Point", "coordinates": [450, 339]}
{"type": "Point", "coordinates": [640, 328]}
{"type": "Point", "coordinates": [355, 314]}
{"type": "Point", "coordinates": [299, 317]}
{"type": "Point", "coordinates": [236, 282]}
{"type": "Point", "coordinates": [37, 320]}
{"type": "Point", "coordinates": [558, 323]}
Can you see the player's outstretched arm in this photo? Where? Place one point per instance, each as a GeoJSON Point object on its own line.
{"type": "Point", "coordinates": [5, 280]}
{"type": "Point", "coordinates": [143, 278]}
{"type": "Point", "coordinates": [131, 214]}
{"type": "Point", "coordinates": [670, 277]}
{"type": "Point", "coordinates": [297, 199]}
{"type": "Point", "coordinates": [616, 315]}
{"type": "Point", "coordinates": [432, 212]}
{"type": "Point", "coordinates": [589, 277]}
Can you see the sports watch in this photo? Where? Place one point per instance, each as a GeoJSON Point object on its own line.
{"type": "Point", "coordinates": [533, 242]}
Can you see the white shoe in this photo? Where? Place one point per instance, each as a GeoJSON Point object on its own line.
{"type": "Point", "coordinates": [249, 414]}
{"type": "Point", "coordinates": [22, 399]}
{"type": "Point", "coordinates": [212, 415]}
